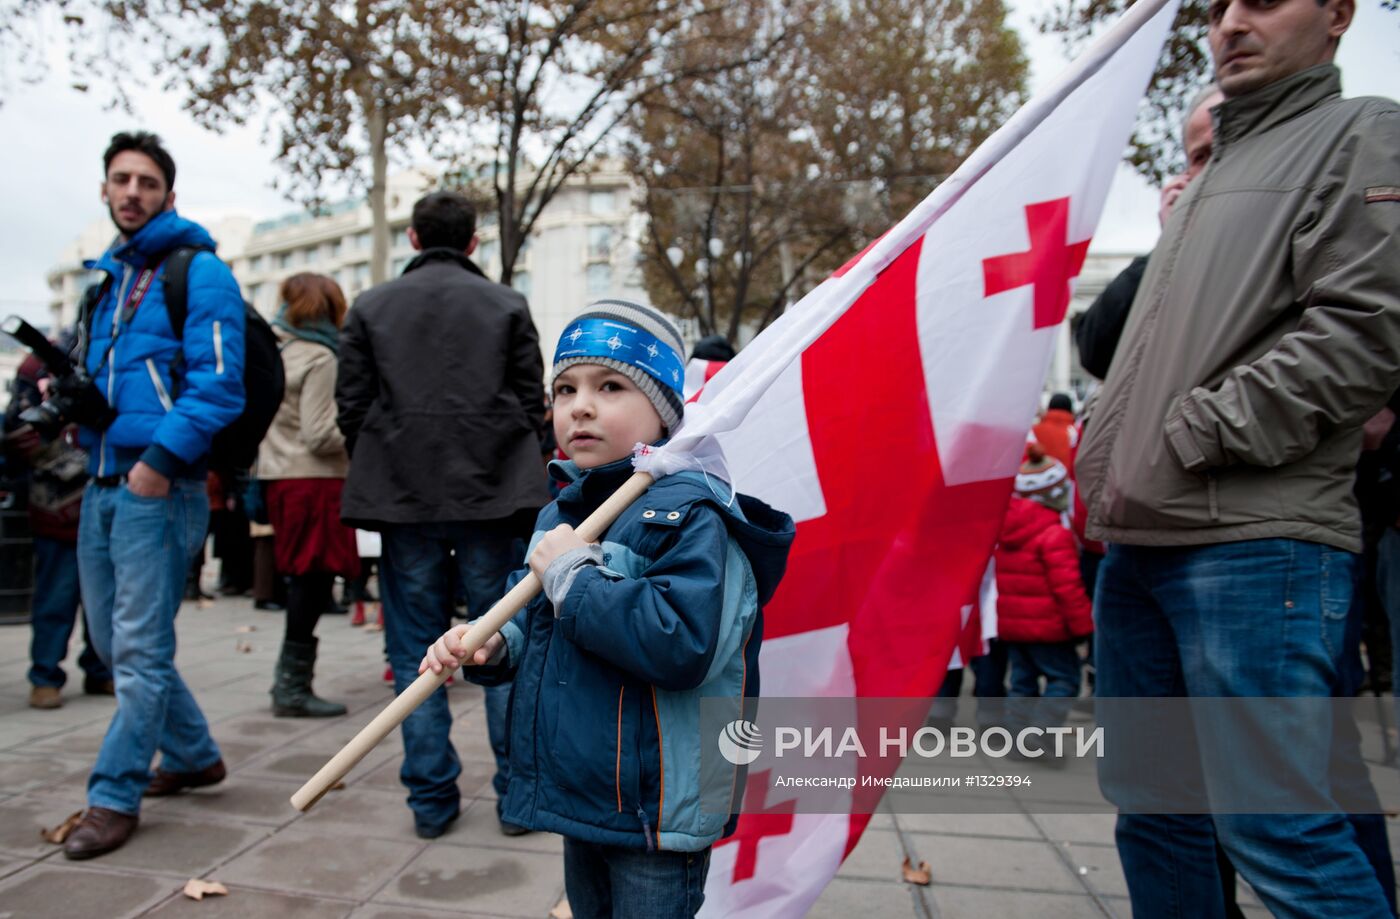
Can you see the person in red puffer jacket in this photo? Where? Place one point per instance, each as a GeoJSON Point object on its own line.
{"type": "Point", "coordinates": [1042, 609]}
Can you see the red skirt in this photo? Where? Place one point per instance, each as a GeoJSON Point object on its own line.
{"type": "Point", "coordinates": [307, 533]}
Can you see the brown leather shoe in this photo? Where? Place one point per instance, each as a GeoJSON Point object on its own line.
{"type": "Point", "coordinates": [45, 697]}
{"type": "Point", "coordinates": [168, 783]}
{"type": "Point", "coordinates": [100, 831]}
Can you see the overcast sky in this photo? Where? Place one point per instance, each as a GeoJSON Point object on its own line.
{"type": "Point", "coordinates": [54, 137]}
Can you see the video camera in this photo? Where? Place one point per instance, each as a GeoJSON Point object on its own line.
{"type": "Point", "coordinates": [73, 397]}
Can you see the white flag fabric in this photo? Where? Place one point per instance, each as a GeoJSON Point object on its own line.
{"type": "Point", "coordinates": [887, 412]}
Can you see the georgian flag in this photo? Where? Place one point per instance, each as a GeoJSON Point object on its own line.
{"type": "Point", "coordinates": [887, 412]}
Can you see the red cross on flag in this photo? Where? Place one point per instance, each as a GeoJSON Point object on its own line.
{"type": "Point", "coordinates": [887, 412]}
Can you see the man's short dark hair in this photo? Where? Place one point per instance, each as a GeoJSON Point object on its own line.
{"type": "Point", "coordinates": [444, 219]}
{"type": "Point", "coordinates": [142, 142]}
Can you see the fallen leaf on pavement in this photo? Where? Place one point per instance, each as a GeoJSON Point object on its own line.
{"type": "Point", "coordinates": [920, 875]}
{"type": "Point", "coordinates": [243, 647]}
{"type": "Point", "coordinates": [244, 629]}
{"type": "Point", "coordinates": [337, 786]}
{"type": "Point", "coordinates": [198, 889]}
{"type": "Point", "coordinates": [59, 833]}
{"type": "Point", "coordinates": [562, 910]}
{"type": "Point", "coordinates": [205, 604]}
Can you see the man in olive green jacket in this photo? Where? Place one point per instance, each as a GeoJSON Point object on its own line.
{"type": "Point", "coordinates": [1220, 458]}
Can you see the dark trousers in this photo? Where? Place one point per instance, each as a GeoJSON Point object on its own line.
{"type": "Point", "coordinates": [56, 607]}
{"type": "Point", "coordinates": [416, 577]}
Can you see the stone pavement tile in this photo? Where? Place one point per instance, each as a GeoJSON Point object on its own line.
{"type": "Point", "coordinates": [243, 903]}
{"type": "Point", "coordinates": [477, 879]}
{"type": "Point", "coordinates": [1082, 828]}
{"type": "Point", "coordinates": [237, 752]}
{"type": "Point", "coordinates": [290, 764]}
{"type": "Point", "coordinates": [479, 826]}
{"type": "Point", "coordinates": [999, 863]}
{"type": "Point", "coordinates": [165, 844]}
{"type": "Point", "coordinates": [973, 903]}
{"type": "Point", "coordinates": [261, 801]}
{"type": "Point", "coordinates": [311, 863]}
{"type": "Point", "coordinates": [357, 813]}
{"type": "Point", "coordinates": [62, 890]}
{"type": "Point", "coordinates": [879, 856]}
{"type": "Point", "coordinates": [26, 773]}
{"type": "Point", "coordinates": [9, 865]}
{"type": "Point", "coordinates": [1098, 867]}
{"type": "Point", "coordinates": [847, 897]}
{"type": "Point", "coordinates": [1013, 826]}
{"type": "Point", "coordinates": [30, 736]}
{"type": "Point", "coordinates": [262, 728]}
{"type": "Point", "coordinates": [372, 911]}
{"type": "Point", "coordinates": [22, 819]}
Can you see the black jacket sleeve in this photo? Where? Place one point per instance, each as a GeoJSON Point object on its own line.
{"type": "Point", "coordinates": [357, 379]}
{"type": "Point", "coordinates": [1102, 323]}
{"type": "Point", "coordinates": [526, 371]}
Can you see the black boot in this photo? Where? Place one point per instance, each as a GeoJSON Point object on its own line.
{"type": "Point", "coordinates": [291, 688]}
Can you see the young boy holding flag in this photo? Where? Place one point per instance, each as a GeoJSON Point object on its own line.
{"type": "Point", "coordinates": [611, 661]}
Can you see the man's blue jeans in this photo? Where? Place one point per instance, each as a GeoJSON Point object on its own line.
{"type": "Point", "coordinates": [606, 881]}
{"type": "Point", "coordinates": [416, 574]}
{"type": "Point", "coordinates": [56, 604]}
{"type": "Point", "coordinates": [1262, 618]}
{"type": "Point", "coordinates": [133, 553]}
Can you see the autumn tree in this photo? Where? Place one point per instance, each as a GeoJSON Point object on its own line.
{"type": "Point", "coordinates": [557, 78]}
{"type": "Point", "coordinates": [347, 83]}
{"type": "Point", "coordinates": [759, 181]}
{"type": "Point", "coordinates": [85, 31]}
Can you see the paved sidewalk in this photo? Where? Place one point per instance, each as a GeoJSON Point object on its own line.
{"type": "Point", "coordinates": [355, 854]}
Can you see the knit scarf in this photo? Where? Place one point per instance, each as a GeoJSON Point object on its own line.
{"type": "Point", "coordinates": [322, 331]}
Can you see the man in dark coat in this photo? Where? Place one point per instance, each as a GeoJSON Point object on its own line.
{"type": "Point", "coordinates": [441, 400]}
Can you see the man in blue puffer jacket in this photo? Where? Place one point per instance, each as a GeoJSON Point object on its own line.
{"type": "Point", "coordinates": [612, 661]}
{"type": "Point", "coordinates": [145, 510]}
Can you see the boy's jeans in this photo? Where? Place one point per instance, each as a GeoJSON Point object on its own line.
{"type": "Point", "coordinates": [133, 553]}
{"type": "Point", "coordinates": [415, 577]}
{"type": "Point", "coordinates": [1262, 618]}
{"type": "Point", "coordinates": [1026, 703]}
{"type": "Point", "coordinates": [56, 602]}
{"type": "Point", "coordinates": [606, 881]}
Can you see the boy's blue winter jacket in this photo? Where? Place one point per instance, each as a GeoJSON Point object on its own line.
{"type": "Point", "coordinates": [172, 392]}
{"type": "Point", "coordinates": [605, 741]}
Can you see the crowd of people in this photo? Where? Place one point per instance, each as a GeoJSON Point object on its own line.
{"type": "Point", "coordinates": [1218, 520]}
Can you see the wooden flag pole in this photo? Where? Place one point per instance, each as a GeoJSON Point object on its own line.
{"type": "Point", "coordinates": [591, 530]}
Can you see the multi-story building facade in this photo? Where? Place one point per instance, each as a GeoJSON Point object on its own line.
{"type": "Point", "coordinates": [583, 246]}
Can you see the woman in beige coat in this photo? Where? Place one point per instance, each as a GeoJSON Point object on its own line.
{"type": "Point", "coordinates": [303, 462]}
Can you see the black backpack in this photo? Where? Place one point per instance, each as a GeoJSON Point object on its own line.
{"type": "Point", "coordinates": [235, 448]}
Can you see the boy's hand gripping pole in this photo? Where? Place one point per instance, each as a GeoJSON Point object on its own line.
{"type": "Point", "coordinates": [591, 530]}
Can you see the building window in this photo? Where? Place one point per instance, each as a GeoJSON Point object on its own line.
{"type": "Point", "coordinates": [600, 279]}
{"type": "Point", "coordinates": [602, 203]}
{"type": "Point", "coordinates": [256, 264]}
{"type": "Point", "coordinates": [600, 242]}
{"type": "Point", "coordinates": [311, 255]}
{"type": "Point", "coordinates": [486, 252]}
{"type": "Point", "coordinates": [397, 268]}
{"type": "Point", "coordinates": [333, 249]}
{"type": "Point", "coordinates": [284, 259]}
{"type": "Point", "coordinates": [362, 242]}
{"type": "Point", "coordinates": [362, 273]}
{"type": "Point", "coordinates": [254, 292]}
{"type": "Point", "coordinates": [402, 241]}
{"type": "Point", "coordinates": [521, 282]}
